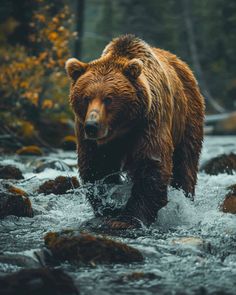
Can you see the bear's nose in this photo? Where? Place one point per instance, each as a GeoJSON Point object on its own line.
{"type": "Point", "coordinates": [91, 128]}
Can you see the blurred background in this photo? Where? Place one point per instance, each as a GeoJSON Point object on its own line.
{"type": "Point", "coordinates": [37, 36]}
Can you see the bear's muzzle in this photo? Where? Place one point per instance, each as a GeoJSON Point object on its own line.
{"type": "Point", "coordinates": [93, 127]}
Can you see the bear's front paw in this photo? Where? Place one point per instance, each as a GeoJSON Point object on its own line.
{"type": "Point", "coordinates": [123, 222]}
{"type": "Point", "coordinates": [111, 225]}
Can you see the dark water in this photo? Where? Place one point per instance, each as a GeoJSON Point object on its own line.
{"type": "Point", "coordinates": [191, 249]}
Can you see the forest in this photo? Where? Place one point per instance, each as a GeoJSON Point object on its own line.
{"type": "Point", "coordinates": [145, 205]}
{"type": "Point", "coordinates": [38, 36]}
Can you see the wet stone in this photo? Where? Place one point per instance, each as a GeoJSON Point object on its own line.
{"type": "Point", "coordinates": [221, 164]}
{"type": "Point", "coordinates": [229, 204]}
{"type": "Point", "coordinates": [14, 201]}
{"type": "Point", "coordinates": [37, 282]}
{"type": "Point", "coordinates": [10, 172]}
{"type": "Point", "coordinates": [31, 150]}
{"type": "Point", "coordinates": [69, 143]}
{"type": "Point", "coordinates": [59, 185]}
{"type": "Point", "coordinates": [83, 248]}
{"type": "Point", "coordinates": [15, 190]}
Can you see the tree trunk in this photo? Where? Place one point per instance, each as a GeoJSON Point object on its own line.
{"type": "Point", "coordinates": [195, 57]}
{"type": "Point", "coordinates": [79, 12]}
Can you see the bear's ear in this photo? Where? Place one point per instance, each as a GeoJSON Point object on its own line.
{"type": "Point", "coordinates": [133, 68]}
{"type": "Point", "coordinates": [75, 68]}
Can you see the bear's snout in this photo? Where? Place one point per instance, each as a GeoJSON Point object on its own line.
{"type": "Point", "coordinates": [91, 127]}
{"type": "Point", "coordinates": [95, 125]}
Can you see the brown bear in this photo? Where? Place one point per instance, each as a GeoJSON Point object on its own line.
{"type": "Point", "coordinates": [137, 109]}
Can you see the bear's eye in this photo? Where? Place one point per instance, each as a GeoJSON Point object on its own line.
{"type": "Point", "coordinates": [107, 101]}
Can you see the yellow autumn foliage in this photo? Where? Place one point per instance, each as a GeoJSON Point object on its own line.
{"type": "Point", "coordinates": [28, 129]}
{"type": "Point", "coordinates": [47, 104]}
{"type": "Point", "coordinates": [37, 75]}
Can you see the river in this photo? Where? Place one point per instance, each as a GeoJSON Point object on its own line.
{"type": "Point", "coordinates": [191, 248]}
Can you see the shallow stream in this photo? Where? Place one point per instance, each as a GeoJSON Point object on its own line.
{"type": "Point", "coordinates": [191, 249]}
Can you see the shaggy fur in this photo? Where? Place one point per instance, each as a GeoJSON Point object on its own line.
{"type": "Point", "coordinates": [155, 121]}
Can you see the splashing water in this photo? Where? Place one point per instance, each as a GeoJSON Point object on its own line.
{"type": "Point", "coordinates": [191, 248]}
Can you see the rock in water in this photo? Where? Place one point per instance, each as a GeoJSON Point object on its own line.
{"type": "Point", "coordinates": [229, 204]}
{"type": "Point", "coordinates": [10, 172]}
{"type": "Point", "coordinates": [16, 190]}
{"type": "Point", "coordinates": [221, 164]}
{"type": "Point", "coordinates": [59, 185]}
{"type": "Point", "coordinates": [14, 201]}
{"type": "Point", "coordinates": [83, 248]}
{"type": "Point", "coordinates": [31, 150]}
{"type": "Point", "coordinates": [39, 281]}
{"type": "Point", "coordinates": [69, 143]}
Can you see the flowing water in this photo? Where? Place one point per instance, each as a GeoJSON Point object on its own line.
{"type": "Point", "coordinates": [191, 249]}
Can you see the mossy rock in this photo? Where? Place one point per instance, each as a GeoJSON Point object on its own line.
{"type": "Point", "coordinates": [14, 201]}
{"type": "Point", "coordinates": [31, 150]}
{"type": "Point", "coordinates": [220, 164]}
{"type": "Point", "coordinates": [16, 190]}
{"type": "Point", "coordinates": [83, 248]}
{"type": "Point", "coordinates": [38, 281]}
{"type": "Point", "coordinates": [68, 143]}
{"type": "Point", "coordinates": [229, 204]}
{"type": "Point", "coordinates": [10, 172]}
{"type": "Point", "coordinates": [58, 186]}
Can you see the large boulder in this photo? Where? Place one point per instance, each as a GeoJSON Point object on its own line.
{"type": "Point", "coordinates": [14, 201]}
{"type": "Point", "coordinates": [10, 172]}
{"type": "Point", "coordinates": [229, 204]}
{"type": "Point", "coordinates": [59, 185]}
{"type": "Point", "coordinates": [83, 248]}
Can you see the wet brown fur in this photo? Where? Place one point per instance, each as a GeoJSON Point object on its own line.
{"type": "Point", "coordinates": [157, 122]}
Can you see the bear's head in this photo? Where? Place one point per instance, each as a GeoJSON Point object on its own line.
{"type": "Point", "coordinates": [108, 97]}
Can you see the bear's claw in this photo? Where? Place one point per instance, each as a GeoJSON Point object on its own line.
{"type": "Point", "coordinates": [123, 222]}
{"type": "Point", "coordinates": [111, 224]}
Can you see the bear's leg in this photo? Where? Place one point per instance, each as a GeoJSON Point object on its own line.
{"type": "Point", "coordinates": [98, 166]}
{"type": "Point", "coordinates": [149, 194]}
{"type": "Point", "coordinates": [185, 160]}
